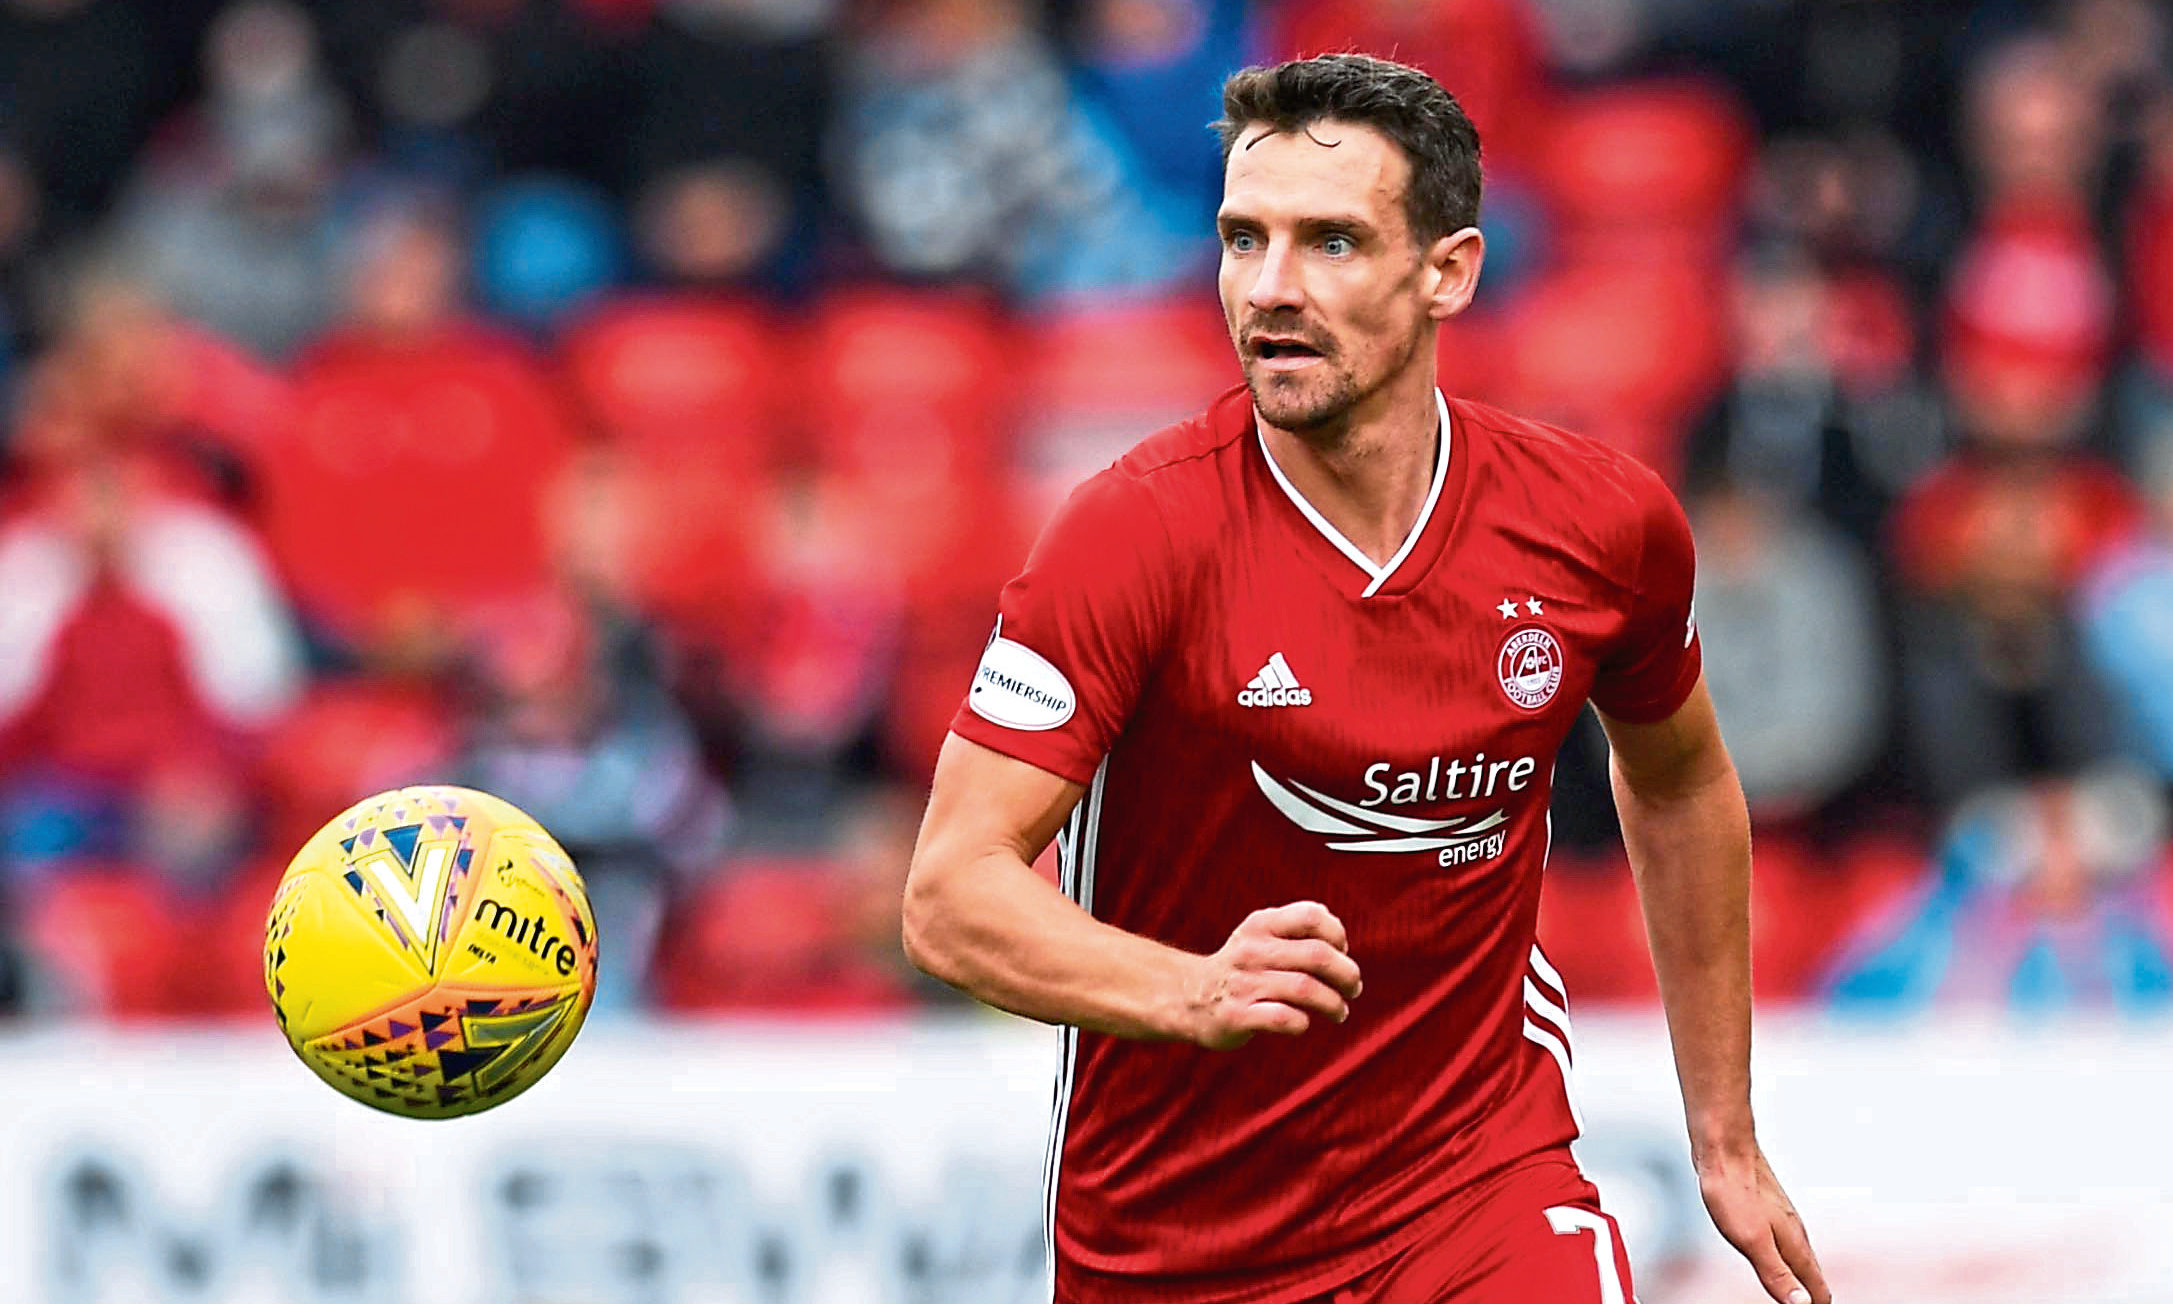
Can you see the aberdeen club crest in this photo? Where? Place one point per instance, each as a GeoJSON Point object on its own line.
{"type": "Point", "coordinates": [1531, 667]}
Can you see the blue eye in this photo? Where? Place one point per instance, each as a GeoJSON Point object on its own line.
{"type": "Point", "coordinates": [1242, 242]}
{"type": "Point", "coordinates": [1339, 246]}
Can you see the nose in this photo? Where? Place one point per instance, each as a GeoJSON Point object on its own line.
{"type": "Point", "coordinates": [1277, 284]}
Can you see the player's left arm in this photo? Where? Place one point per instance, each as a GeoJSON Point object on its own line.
{"type": "Point", "coordinates": [1687, 830]}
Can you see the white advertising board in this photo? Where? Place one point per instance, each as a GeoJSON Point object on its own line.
{"type": "Point", "coordinates": [900, 1163]}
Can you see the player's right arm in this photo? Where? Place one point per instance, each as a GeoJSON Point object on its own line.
{"type": "Point", "coordinates": [978, 916]}
{"type": "Point", "coordinates": [1081, 627]}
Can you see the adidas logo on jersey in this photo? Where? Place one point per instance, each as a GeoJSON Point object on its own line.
{"type": "Point", "coordinates": [1275, 686]}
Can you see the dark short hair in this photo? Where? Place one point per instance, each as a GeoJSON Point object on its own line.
{"type": "Point", "coordinates": [1399, 101]}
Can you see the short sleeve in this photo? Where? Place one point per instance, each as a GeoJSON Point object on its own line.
{"type": "Point", "coordinates": [1655, 660]}
{"type": "Point", "coordinates": [1076, 632]}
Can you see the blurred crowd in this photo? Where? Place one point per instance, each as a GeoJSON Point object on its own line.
{"type": "Point", "coordinates": [632, 407]}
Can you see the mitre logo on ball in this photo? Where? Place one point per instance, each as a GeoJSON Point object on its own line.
{"type": "Point", "coordinates": [431, 952]}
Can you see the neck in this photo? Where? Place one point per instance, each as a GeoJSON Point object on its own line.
{"type": "Point", "coordinates": [1368, 476]}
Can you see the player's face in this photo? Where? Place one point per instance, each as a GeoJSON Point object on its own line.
{"type": "Point", "coordinates": [1323, 285]}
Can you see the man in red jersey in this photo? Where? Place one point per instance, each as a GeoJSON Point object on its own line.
{"type": "Point", "coordinates": [1290, 677]}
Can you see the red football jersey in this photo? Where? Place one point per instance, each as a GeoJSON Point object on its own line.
{"type": "Point", "coordinates": [1261, 715]}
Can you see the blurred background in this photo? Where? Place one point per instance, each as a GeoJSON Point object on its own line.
{"type": "Point", "coordinates": [632, 407]}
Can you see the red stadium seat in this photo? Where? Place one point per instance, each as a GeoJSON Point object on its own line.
{"type": "Point", "coordinates": [101, 930]}
{"type": "Point", "coordinates": [350, 738]}
{"type": "Point", "coordinates": [1655, 157]}
{"type": "Point", "coordinates": [680, 544]}
{"type": "Point", "coordinates": [915, 399]}
{"type": "Point", "coordinates": [684, 382]}
{"type": "Point", "coordinates": [952, 545]}
{"type": "Point", "coordinates": [770, 936]}
{"type": "Point", "coordinates": [1171, 354]}
{"type": "Point", "coordinates": [1489, 52]}
{"type": "Point", "coordinates": [967, 552]}
{"type": "Point", "coordinates": [414, 477]}
{"type": "Point", "coordinates": [1620, 353]}
{"type": "Point", "coordinates": [123, 943]}
{"type": "Point", "coordinates": [901, 381]}
{"type": "Point", "coordinates": [694, 396]}
{"type": "Point", "coordinates": [1102, 379]}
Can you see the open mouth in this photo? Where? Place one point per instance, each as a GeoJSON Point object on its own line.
{"type": "Point", "coordinates": [1277, 350]}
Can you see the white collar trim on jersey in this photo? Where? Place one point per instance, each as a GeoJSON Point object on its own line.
{"type": "Point", "coordinates": [1351, 550]}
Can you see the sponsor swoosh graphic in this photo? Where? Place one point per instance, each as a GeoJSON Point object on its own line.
{"type": "Point", "coordinates": [1472, 834]}
{"type": "Point", "coordinates": [1310, 818]}
{"type": "Point", "coordinates": [1400, 823]}
{"type": "Point", "coordinates": [1319, 819]}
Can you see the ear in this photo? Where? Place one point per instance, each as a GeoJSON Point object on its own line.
{"type": "Point", "coordinates": [1452, 266]}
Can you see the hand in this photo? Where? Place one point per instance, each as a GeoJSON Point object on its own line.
{"type": "Point", "coordinates": [1752, 1211]}
{"type": "Point", "coordinates": [1281, 968]}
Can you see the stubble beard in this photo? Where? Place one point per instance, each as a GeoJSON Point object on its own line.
{"type": "Point", "coordinates": [1319, 407]}
{"type": "Point", "coordinates": [1305, 404]}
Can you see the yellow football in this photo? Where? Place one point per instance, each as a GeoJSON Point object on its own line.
{"type": "Point", "coordinates": [431, 952]}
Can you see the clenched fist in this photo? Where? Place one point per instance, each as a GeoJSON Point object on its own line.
{"type": "Point", "coordinates": [1280, 969]}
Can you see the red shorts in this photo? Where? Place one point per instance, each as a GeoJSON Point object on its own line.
{"type": "Point", "coordinates": [1531, 1235]}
